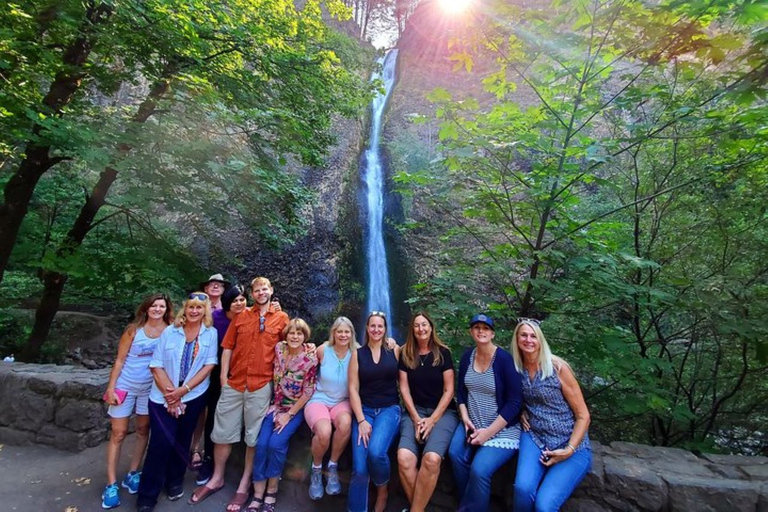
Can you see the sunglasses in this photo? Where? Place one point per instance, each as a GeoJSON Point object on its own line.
{"type": "Point", "coordinates": [525, 320]}
{"type": "Point", "coordinates": [198, 296]}
{"type": "Point", "coordinates": [262, 319]}
{"type": "Point", "coordinates": [378, 313]}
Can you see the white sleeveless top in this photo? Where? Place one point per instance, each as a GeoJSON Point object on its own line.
{"type": "Point", "coordinates": [136, 376]}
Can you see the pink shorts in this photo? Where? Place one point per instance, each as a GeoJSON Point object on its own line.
{"type": "Point", "coordinates": [317, 411]}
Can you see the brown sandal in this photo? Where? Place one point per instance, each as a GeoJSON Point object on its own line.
{"type": "Point", "coordinates": [238, 500]}
{"type": "Point", "coordinates": [202, 493]}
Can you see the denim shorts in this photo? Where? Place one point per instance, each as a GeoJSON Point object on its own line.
{"type": "Point", "coordinates": [439, 439]}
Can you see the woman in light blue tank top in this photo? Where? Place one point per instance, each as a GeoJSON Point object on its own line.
{"type": "Point", "coordinates": [128, 391]}
{"type": "Point", "coordinates": [555, 453]}
{"type": "Point", "coordinates": [328, 411]}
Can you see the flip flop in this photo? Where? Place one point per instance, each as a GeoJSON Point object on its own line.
{"type": "Point", "coordinates": [195, 461]}
{"type": "Point", "coordinates": [238, 500]}
{"type": "Point", "coordinates": [201, 493]}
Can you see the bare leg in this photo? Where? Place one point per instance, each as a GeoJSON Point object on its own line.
{"type": "Point", "coordinates": [426, 481]}
{"type": "Point", "coordinates": [272, 489]}
{"type": "Point", "coordinates": [220, 455]}
{"type": "Point", "coordinates": [119, 430]}
{"type": "Point", "coordinates": [245, 482]}
{"type": "Point", "coordinates": [197, 437]}
{"type": "Point", "coordinates": [406, 466]}
{"type": "Point", "coordinates": [343, 424]}
{"type": "Point", "coordinates": [320, 441]}
{"type": "Point", "coordinates": [142, 438]}
{"type": "Point", "coordinates": [258, 488]}
{"type": "Point", "coordinates": [382, 493]}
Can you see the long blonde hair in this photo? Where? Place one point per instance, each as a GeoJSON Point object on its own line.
{"type": "Point", "coordinates": [181, 316]}
{"type": "Point", "coordinates": [545, 354]}
{"type": "Point", "coordinates": [410, 350]}
{"type": "Point", "coordinates": [342, 320]}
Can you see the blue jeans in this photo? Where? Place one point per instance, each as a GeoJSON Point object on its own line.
{"type": "Point", "coordinates": [272, 447]}
{"type": "Point", "coordinates": [473, 468]}
{"type": "Point", "coordinates": [540, 488]}
{"type": "Point", "coordinates": [372, 462]}
{"type": "Point", "coordinates": [168, 452]}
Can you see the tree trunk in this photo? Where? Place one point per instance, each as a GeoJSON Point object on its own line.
{"type": "Point", "coordinates": [37, 160]}
{"type": "Point", "coordinates": [53, 281]}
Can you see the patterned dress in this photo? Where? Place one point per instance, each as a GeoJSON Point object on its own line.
{"type": "Point", "coordinates": [294, 376]}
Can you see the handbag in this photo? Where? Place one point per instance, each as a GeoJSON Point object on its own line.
{"type": "Point", "coordinates": [121, 394]}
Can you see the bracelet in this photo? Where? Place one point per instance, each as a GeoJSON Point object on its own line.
{"type": "Point", "coordinates": [188, 389]}
{"type": "Point", "coordinates": [571, 447]}
{"type": "Point", "coordinates": [361, 421]}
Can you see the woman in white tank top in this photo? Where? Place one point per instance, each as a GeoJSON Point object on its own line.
{"type": "Point", "coordinates": [128, 391]}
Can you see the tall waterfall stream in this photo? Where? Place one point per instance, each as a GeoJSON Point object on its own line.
{"type": "Point", "coordinates": [373, 176]}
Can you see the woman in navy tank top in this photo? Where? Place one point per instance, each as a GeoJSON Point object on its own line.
{"type": "Point", "coordinates": [375, 404]}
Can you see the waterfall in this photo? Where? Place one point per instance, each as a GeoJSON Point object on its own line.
{"type": "Point", "coordinates": [373, 175]}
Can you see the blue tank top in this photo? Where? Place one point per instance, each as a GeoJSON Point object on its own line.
{"type": "Point", "coordinates": [378, 382]}
{"type": "Point", "coordinates": [332, 385]}
{"type": "Point", "coordinates": [550, 416]}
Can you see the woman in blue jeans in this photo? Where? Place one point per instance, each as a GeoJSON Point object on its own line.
{"type": "Point", "coordinates": [489, 398]}
{"type": "Point", "coordinates": [555, 453]}
{"type": "Point", "coordinates": [375, 404]}
{"type": "Point", "coordinates": [295, 374]}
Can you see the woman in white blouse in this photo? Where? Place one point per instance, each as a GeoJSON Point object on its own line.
{"type": "Point", "coordinates": [181, 365]}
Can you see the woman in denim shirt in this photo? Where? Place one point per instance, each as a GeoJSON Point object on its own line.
{"type": "Point", "coordinates": [555, 453]}
{"type": "Point", "coordinates": [181, 366]}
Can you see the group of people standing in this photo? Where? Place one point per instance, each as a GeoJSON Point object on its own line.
{"type": "Point", "coordinates": [225, 369]}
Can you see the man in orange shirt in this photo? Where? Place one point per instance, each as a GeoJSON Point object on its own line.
{"type": "Point", "coordinates": [246, 388]}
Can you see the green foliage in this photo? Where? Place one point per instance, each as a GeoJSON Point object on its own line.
{"type": "Point", "coordinates": [626, 205]}
{"type": "Point", "coordinates": [205, 112]}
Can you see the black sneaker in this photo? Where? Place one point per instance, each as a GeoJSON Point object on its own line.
{"type": "Point", "coordinates": [205, 472]}
{"type": "Point", "coordinates": [176, 493]}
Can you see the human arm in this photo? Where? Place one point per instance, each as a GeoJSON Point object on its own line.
{"type": "Point", "coordinates": [575, 399]}
{"type": "Point", "coordinates": [226, 357]}
{"type": "Point", "coordinates": [364, 428]}
{"type": "Point", "coordinates": [405, 393]}
{"type": "Point", "coordinates": [427, 424]}
{"type": "Point", "coordinates": [123, 347]}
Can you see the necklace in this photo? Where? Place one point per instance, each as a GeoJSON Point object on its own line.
{"type": "Point", "coordinates": [423, 358]}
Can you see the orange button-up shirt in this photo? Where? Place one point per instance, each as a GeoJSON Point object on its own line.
{"type": "Point", "coordinates": [253, 351]}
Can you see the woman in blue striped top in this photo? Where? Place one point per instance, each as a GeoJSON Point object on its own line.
{"type": "Point", "coordinates": [555, 452]}
{"type": "Point", "coordinates": [489, 398]}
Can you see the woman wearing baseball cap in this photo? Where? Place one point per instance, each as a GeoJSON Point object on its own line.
{"type": "Point", "coordinates": [489, 395]}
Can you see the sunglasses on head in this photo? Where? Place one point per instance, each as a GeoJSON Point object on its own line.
{"type": "Point", "coordinates": [524, 320]}
{"type": "Point", "coordinates": [198, 296]}
{"type": "Point", "coordinates": [378, 313]}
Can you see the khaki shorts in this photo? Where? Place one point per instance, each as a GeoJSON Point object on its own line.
{"type": "Point", "coordinates": [235, 410]}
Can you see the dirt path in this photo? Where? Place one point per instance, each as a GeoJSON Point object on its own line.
{"type": "Point", "coordinates": [37, 478]}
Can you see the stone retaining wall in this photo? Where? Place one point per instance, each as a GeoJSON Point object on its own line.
{"type": "Point", "coordinates": [61, 406]}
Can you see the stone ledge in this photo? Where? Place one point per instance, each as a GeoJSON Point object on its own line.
{"type": "Point", "coordinates": [61, 406]}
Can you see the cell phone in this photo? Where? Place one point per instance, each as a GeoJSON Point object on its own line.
{"type": "Point", "coordinates": [469, 435]}
{"type": "Point", "coordinates": [274, 299]}
{"type": "Point", "coordinates": [545, 458]}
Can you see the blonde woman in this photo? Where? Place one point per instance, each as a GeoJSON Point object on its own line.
{"type": "Point", "coordinates": [181, 366]}
{"type": "Point", "coordinates": [328, 411]}
{"type": "Point", "coordinates": [555, 453]}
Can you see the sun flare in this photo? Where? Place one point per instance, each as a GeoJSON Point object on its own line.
{"type": "Point", "coordinates": [454, 6]}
